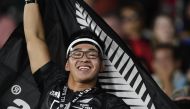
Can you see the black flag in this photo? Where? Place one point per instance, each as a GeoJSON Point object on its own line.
{"type": "Point", "coordinates": [123, 75]}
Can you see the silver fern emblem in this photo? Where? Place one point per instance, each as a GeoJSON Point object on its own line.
{"type": "Point", "coordinates": [120, 76]}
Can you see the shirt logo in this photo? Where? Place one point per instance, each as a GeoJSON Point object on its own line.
{"type": "Point", "coordinates": [16, 89]}
{"type": "Point", "coordinates": [86, 100]}
{"type": "Point", "coordinates": [55, 94]}
{"type": "Point", "coordinates": [20, 104]}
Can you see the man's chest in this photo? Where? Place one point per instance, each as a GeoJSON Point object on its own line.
{"type": "Point", "coordinates": [61, 99]}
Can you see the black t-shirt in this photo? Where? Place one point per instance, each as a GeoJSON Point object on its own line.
{"type": "Point", "coordinates": [52, 84]}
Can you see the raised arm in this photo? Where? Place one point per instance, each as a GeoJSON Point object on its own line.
{"type": "Point", "coordinates": [35, 37]}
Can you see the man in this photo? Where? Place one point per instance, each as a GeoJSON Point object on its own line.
{"type": "Point", "coordinates": [84, 62]}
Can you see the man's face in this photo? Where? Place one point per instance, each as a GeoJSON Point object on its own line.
{"type": "Point", "coordinates": [84, 69]}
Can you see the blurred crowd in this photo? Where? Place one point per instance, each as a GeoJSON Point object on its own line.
{"type": "Point", "coordinates": [10, 17]}
{"type": "Point", "coordinates": [157, 31]}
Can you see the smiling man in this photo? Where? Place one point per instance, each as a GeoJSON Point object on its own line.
{"type": "Point", "coordinates": [84, 56]}
{"type": "Point", "coordinates": [83, 62]}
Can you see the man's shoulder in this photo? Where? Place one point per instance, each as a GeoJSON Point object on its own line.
{"type": "Point", "coordinates": [50, 68]}
{"type": "Point", "coordinates": [50, 75]}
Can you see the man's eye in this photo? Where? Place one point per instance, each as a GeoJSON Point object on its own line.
{"type": "Point", "coordinates": [93, 54]}
{"type": "Point", "coordinates": [77, 53]}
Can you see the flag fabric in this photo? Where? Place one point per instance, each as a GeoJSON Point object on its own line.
{"type": "Point", "coordinates": [123, 75]}
{"type": "Point", "coordinates": [18, 87]}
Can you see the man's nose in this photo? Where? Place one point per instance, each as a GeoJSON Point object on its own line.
{"type": "Point", "coordinates": [84, 57]}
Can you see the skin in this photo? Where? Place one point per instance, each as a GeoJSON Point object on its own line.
{"type": "Point", "coordinates": [164, 29]}
{"type": "Point", "coordinates": [80, 79]}
{"type": "Point", "coordinates": [35, 37]}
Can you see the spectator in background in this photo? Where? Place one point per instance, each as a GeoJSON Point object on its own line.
{"type": "Point", "coordinates": [163, 30]}
{"type": "Point", "coordinates": [10, 16]}
{"type": "Point", "coordinates": [132, 19]}
{"type": "Point", "coordinates": [182, 96]}
{"type": "Point", "coordinates": [150, 8]}
{"type": "Point", "coordinates": [7, 24]}
{"type": "Point", "coordinates": [184, 93]}
{"type": "Point", "coordinates": [113, 21]}
{"type": "Point", "coordinates": [165, 67]}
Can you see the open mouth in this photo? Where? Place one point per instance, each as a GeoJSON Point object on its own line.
{"type": "Point", "coordinates": [84, 68]}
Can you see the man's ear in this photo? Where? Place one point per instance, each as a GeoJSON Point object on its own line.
{"type": "Point", "coordinates": [67, 67]}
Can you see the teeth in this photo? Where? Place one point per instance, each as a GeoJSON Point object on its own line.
{"type": "Point", "coordinates": [84, 68]}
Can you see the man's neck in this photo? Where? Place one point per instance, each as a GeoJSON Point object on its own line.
{"type": "Point", "coordinates": [80, 86]}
